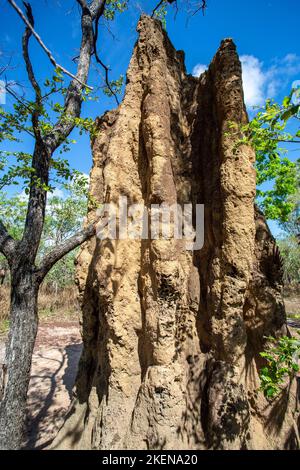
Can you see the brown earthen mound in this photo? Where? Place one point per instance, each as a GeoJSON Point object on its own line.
{"type": "Point", "coordinates": [172, 337]}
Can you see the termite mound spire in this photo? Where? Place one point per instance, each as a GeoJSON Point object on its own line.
{"type": "Point", "coordinates": [172, 337]}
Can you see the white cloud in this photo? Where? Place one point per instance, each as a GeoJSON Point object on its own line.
{"type": "Point", "coordinates": [23, 197]}
{"type": "Point", "coordinates": [262, 82]}
{"type": "Point", "coordinates": [56, 193]}
{"type": "Point", "coordinates": [199, 69]}
{"type": "Point", "coordinates": [286, 68]}
{"type": "Point", "coordinates": [291, 58]}
{"type": "Point", "coordinates": [254, 80]}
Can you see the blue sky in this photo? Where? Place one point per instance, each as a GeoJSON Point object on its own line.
{"type": "Point", "coordinates": [266, 33]}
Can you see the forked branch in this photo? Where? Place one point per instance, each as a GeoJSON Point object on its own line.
{"type": "Point", "coordinates": [64, 248]}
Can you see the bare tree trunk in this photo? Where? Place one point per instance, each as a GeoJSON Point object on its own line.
{"type": "Point", "coordinates": [22, 334]}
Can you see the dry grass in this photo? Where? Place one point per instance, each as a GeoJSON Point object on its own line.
{"type": "Point", "coordinates": [292, 290]}
{"type": "Point", "coordinates": [292, 300]}
{"type": "Point", "coordinates": [4, 302]}
{"type": "Point", "coordinates": [61, 304]}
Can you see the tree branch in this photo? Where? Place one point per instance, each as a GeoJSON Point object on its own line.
{"type": "Point", "coordinates": [202, 7]}
{"type": "Point", "coordinates": [44, 149]}
{"type": "Point", "coordinates": [7, 243]}
{"type": "Point", "coordinates": [63, 249]}
{"type": "Point", "coordinates": [20, 101]}
{"type": "Point", "coordinates": [99, 61]}
{"type": "Point", "coordinates": [97, 8]}
{"type": "Point", "coordinates": [157, 7]}
{"type": "Point", "coordinates": [285, 141]}
{"type": "Point", "coordinates": [38, 94]}
{"type": "Point", "coordinates": [44, 47]}
{"type": "Point", "coordinates": [160, 4]}
{"type": "Point", "coordinates": [73, 100]}
{"type": "Point", "coordinates": [82, 3]}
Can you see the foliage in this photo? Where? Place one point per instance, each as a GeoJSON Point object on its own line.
{"type": "Point", "coordinates": [16, 166]}
{"type": "Point", "coordinates": [114, 6]}
{"type": "Point", "coordinates": [63, 272]}
{"type": "Point", "coordinates": [13, 212]}
{"type": "Point", "coordinates": [64, 217]}
{"type": "Point", "coordinates": [63, 214]}
{"type": "Point", "coordinates": [115, 87]}
{"type": "Point", "coordinates": [290, 253]}
{"type": "Point", "coordinates": [292, 225]}
{"type": "Point", "coordinates": [282, 364]}
{"type": "Point", "coordinates": [161, 13]}
{"type": "Point", "coordinates": [290, 244]}
{"type": "Point", "coordinates": [266, 132]}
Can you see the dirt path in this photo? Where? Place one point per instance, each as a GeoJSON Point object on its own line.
{"type": "Point", "coordinates": [54, 366]}
{"type": "Point", "coordinates": [53, 374]}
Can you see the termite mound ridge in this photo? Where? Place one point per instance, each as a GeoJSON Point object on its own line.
{"type": "Point", "coordinates": [172, 337]}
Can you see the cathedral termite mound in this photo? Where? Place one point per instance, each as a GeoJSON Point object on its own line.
{"type": "Point", "coordinates": [172, 337]}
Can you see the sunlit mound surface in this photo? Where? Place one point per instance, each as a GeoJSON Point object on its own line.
{"type": "Point", "coordinates": [171, 336]}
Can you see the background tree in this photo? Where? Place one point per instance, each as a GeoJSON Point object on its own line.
{"type": "Point", "coordinates": [280, 200]}
{"type": "Point", "coordinates": [38, 171]}
{"type": "Point", "coordinates": [267, 132]}
{"type": "Point", "coordinates": [64, 216]}
{"type": "Point", "coordinates": [290, 243]}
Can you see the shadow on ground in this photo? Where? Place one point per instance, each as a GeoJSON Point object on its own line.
{"type": "Point", "coordinates": [53, 374]}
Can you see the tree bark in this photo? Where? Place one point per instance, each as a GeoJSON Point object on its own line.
{"type": "Point", "coordinates": [19, 349]}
